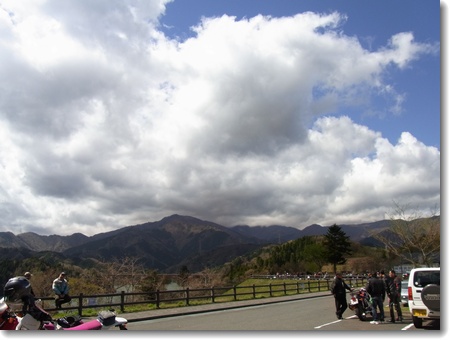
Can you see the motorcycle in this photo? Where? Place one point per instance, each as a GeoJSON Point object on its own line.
{"type": "Point", "coordinates": [105, 320]}
{"type": "Point", "coordinates": [9, 320]}
{"type": "Point", "coordinates": [360, 303]}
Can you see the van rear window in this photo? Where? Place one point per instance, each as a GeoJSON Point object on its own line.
{"type": "Point", "coordinates": [422, 279]}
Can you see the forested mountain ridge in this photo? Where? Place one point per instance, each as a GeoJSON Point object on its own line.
{"type": "Point", "coordinates": [35, 242]}
{"type": "Point", "coordinates": [185, 225]}
{"type": "Point", "coordinates": [175, 240]}
{"type": "Point", "coordinates": [280, 234]}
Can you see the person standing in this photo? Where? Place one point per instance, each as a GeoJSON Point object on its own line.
{"type": "Point", "coordinates": [376, 288]}
{"type": "Point", "coordinates": [338, 287]}
{"type": "Point", "coordinates": [61, 289]}
{"type": "Point", "coordinates": [393, 290]}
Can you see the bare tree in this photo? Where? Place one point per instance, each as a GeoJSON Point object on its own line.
{"type": "Point", "coordinates": [124, 273]}
{"type": "Point", "coordinates": [207, 278]}
{"type": "Point", "coordinates": [183, 276]}
{"type": "Point", "coordinates": [412, 237]}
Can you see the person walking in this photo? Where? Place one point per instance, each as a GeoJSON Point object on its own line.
{"type": "Point", "coordinates": [338, 287]}
{"type": "Point", "coordinates": [376, 287]}
{"type": "Point", "coordinates": [393, 290]}
{"type": "Point", "coordinates": [61, 289]}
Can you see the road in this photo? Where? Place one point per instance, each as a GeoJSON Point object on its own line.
{"type": "Point", "coordinates": [302, 315]}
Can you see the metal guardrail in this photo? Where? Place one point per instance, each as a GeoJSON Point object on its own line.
{"type": "Point", "coordinates": [187, 296]}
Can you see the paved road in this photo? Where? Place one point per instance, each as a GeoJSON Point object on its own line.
{"type": "Point", "coordinates": [313, 313]}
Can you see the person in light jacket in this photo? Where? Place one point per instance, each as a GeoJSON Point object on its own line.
{"type": "Point", "coordinates": [61, 289]}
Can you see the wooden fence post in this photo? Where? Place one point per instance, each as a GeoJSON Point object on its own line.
{"type": "Point", "coordinates": [80, 304]}
{"type": "Point", "coordinates": [187, 296]}
{"type": "Point", "coordinates": [122, 301]}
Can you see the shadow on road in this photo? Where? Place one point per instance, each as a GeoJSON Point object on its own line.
{"type": "Point", "coordinates": [432, 325]}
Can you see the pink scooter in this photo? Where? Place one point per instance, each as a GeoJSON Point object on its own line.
{"type": "Point", "coordinates": [104, 321]}
{"type": "Point", "coordinates": [20, 310]}
{"type": "Point", "coordinates": [12, 321]}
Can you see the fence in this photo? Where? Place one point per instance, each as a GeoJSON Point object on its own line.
{"type": "Point", "coordinates": [199, 295]}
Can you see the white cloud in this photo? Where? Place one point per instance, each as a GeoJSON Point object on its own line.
{"type": "Point", "coordinates": [105, 122]}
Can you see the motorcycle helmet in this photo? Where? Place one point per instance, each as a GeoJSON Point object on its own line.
{"type": "Point", "coordinates": [16, 289]}
{"type": "Point", "coordinates": [3, 306]}
{"type": "Point", "coordinates": [69, 321]}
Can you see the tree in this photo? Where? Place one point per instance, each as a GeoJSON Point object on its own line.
{"type": "Point", "coordinates": [151, 283]}
{"type": "Point", "coordinates": [337, 245]}
{"type": "Point", "coordinates": [120, 273]}
{"type": "Point", "coordinates": [412, 237]}
{"type": "Point", "coordinates": [315, 255]}
{"type": "Point", "coordinates": [183, 276]}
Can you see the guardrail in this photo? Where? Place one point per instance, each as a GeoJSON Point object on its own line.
{"type": "Point", "coordinates": [187, 296]}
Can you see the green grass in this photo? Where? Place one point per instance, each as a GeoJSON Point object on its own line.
{"type": "Point", "coordinates": [244, 291]}
{"type": "Point", "coordinates": [259, 288]}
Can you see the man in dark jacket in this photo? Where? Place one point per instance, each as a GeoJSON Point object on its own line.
{"type": "Point", "coordinates": [338, 287]}
{"type": "Point", "coordinates": [393, 290]}
{"type": "Point", "coordinates": [377, 289]}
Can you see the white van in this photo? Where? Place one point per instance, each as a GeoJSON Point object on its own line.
{"type": "Point", "coordinates": [424, 295]}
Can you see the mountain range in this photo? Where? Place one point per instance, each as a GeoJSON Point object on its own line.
{"type": "Point", "coordinates": [177, 240]}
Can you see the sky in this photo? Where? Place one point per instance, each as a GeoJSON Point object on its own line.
{"type": "Point", "coordinates": [239, 112]}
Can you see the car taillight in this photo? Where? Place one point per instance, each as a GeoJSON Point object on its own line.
{"type": "Point", "coordinates": [410, 293]}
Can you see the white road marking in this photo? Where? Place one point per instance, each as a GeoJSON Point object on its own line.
{"type": "Point", "coordinates": [327, 324]}
{"type": "Point", "coordinates": [407, 327]}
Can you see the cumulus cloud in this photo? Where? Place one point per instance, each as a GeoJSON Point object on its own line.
{"type": "Point", "coordinates": [107, 122]}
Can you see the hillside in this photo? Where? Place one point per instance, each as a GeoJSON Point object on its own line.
{"type": "Point", "coordinates": [165, 244]}
{"type": "Point", "coordinates": [35, 242]}
{"type": "Point", "coordinates": [280, 234]}
{"type": "Point", "coordinates": [176, 240]}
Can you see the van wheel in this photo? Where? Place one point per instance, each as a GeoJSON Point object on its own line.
{"type": "Point", "coordinates": [418, 322]}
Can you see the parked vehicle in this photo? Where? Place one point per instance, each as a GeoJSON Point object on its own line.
{"type": "Point", "coordinates": [20, 311]}
{"type": "Point", "coordinates": [8, 320]}
{"type": "Point", "coordinates": [404, 293]}
{"type": "Point", "coordinates": [360, 303]}
{"type": "Point", "coordinates": [424, 295]}
{"type": "Point", "coordinates": [105, 320]}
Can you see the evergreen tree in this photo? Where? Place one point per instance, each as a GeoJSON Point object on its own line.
{"type": "Point", "coordinates": [338, 246]}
